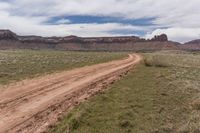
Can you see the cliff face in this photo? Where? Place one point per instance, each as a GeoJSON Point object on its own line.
{"type": "Point", "coordinates": [9, 40]}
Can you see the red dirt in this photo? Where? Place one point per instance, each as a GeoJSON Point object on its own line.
{"type": "Point", "coordinates": [34, 105]}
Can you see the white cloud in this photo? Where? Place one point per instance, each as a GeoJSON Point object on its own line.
{"type": "Point", "coordinates": [63, 21]}
{"type": "Point", "coordinates": [177, 34]}
{"type": "Point", "coordinates": [181, 17]}
{"type": "Point", "coordinates": [34, 26]}
{"type": "Point", "coordinates": [4, 6]}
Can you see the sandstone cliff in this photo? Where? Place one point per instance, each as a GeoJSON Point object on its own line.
{"type": "Point", "coordinates": [9, 40]}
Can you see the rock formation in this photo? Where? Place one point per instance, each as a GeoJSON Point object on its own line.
{"type": "Point", "coordinates": [9, 40]}
{"type": "Point", "coordinates": [161, 38]}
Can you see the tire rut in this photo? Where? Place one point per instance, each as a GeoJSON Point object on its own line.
{"type": "Point", "coordinates": [42, 94]}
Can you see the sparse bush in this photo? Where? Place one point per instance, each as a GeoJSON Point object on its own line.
{"type": "Point", "coordinates": [74, 123]}
{"type": "Point", "coordinates": [169, 60]}
{"type": "Point", "coordinates": [196, 104]}
{"type": "Point", "coordinates": [125, 124]}
{"type": "Point", "coordinates": [155, 61]}
{"type": "Point", "coordinates": [148, 62]}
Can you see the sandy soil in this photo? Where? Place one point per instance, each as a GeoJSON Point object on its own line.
{"type": "Point", "coordinates": [34, 105]}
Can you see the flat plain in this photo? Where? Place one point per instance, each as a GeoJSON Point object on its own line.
{"type": "Point", "coordinates": [161, 95]}
{"type": "Point", "coordinates": [33, 105]}
{"type": "Point", "coordinates": [16, 65]}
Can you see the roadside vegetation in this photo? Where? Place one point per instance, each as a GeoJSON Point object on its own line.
{"type": "Point", "coordinates": [21, 64]}
{"type": "Point", "coordinates": [160, 95]}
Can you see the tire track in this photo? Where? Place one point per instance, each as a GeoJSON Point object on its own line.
{"type": "Point", "coordinates": [48, 91]}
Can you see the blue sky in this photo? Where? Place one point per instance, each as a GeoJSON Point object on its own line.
{"type": "Point", "coordinates": [86, 19]}
{"type": "Point", "coordinates": [179, 19]}
{"type": "Point", "coordinates": [76, 19]}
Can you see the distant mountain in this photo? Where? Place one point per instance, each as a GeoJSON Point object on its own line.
{"type": "Point", "coordinates": [194, 42]}
{"type": "Point", "coordinates": [7, 35]}
{"type": "Point", "coordinates": [10, 40]}
{"type": "Point", "coordinates": [192, 45]}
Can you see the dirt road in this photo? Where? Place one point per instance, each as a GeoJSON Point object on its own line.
{"type": "Point", "coordinates": [33, 105]}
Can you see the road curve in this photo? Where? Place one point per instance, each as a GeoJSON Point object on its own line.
{"type": "Point", "coordinates": [32, 105]}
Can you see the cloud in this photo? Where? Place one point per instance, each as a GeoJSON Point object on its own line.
{"type": "Point", "coordinates": [177, 18]}
{"type": "Point", "coordinates": [177, 34]}
{"type": "Point", "coordinates": [63, 21]}
{"type": "Point", "coordinates": [35, 26]}
{"type": "Point", "coordinates": [4, 6]}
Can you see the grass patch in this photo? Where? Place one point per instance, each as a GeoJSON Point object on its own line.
{"type": "Point", "coordinates": [166, 59]}
{"type": "Point", "coordinates": [21, 64]}
{"type": "Point", "coordinates": [148, 100]}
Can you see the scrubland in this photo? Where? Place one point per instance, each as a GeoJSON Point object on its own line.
{"type": "Point", "coordinates": [161, 95]}
{"type": "Point", "coordinates": [16, 65]}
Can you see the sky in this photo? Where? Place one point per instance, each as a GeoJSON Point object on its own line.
{"type": "Point", "coordinates": [179, 19]}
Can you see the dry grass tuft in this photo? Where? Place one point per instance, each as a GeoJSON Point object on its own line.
{"type": "Point", "coordinates": [196, 104]}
